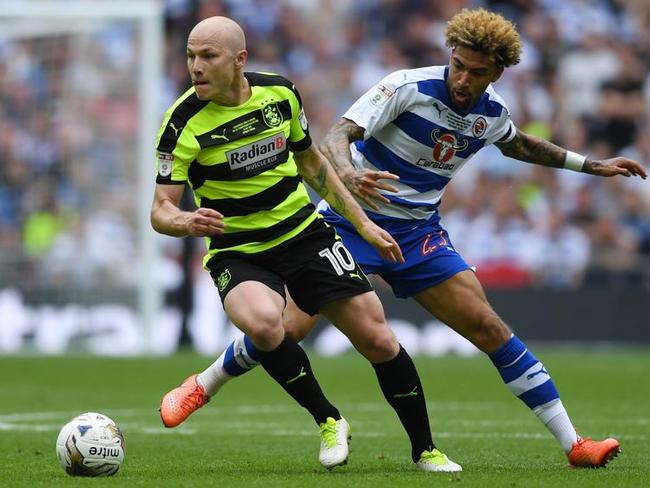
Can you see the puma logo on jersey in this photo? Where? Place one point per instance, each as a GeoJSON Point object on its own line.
{"type": "Point", "coordinates": [439, 108]}
{"type": "Point", "coordinates": [175, 129]}
{"type": "Point", "coordinates": [222, 136]}
{"type": "Point", "coordinates": [356, 275]}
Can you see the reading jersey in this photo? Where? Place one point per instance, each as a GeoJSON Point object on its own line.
{"type": "Point", "coordinates": [412, 130]}
{"type": "Point", "coordinates": [238, 161]}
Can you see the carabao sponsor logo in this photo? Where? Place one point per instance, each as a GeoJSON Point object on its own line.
{"type": "Point", "coordinates": [446, 146]}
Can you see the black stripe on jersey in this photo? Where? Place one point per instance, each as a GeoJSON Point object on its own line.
{"type": "Point", "coordinates": [249, 124]}
{"type": "Point", "coordinates": [199, 173]}
{"type": "Point", "coordinates": [507, 134]}
{"type": "Point", "coordinates": [224, 241]}
{"type": "Point", "coordinates": [166, 180]}
{"type": "Point", "coordinates": [263, 79]}
{"type": "Point", "coordinates": [264, 200]}
{"type": "Point", "coordinates": [301, 145]}
{"type": "Point", "coordinates": [183, 112]}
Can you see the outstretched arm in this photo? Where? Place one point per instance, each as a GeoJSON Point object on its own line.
{"type": "Point", "coordinates": [316, 171]}
{"type": "Point", "coordinates": [363, 183]}
{"type": "Point", "coordinates": [536, 150]}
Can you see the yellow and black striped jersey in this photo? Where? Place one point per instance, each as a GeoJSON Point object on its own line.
{"type": "Point", "coordinates": [238, 161]}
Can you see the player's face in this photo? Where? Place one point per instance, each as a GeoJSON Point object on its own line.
{"type": "Point", "coordinates": [211, 66]}
{"type": "Point", "coordinates": [470, 73]}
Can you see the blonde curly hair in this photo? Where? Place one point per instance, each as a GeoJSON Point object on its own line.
{"type": "Point", "coordinates": [486, 32]}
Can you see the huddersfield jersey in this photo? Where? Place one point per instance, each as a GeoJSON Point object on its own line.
{"type": "Point", "coordinates": [413, 131]}
{"type": "Point", "coordinates": [238, 161]}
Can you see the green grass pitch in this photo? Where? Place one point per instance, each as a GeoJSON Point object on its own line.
{"type": "Point", "coordinates": [252, 434]}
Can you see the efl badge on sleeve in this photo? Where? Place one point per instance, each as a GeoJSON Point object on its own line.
{"type": "Point", "coordinates": [303, 119]}
{"type": "Point", "coordinates": [165, 163]}
{"type": "Point", "coordinates": [381, 94]}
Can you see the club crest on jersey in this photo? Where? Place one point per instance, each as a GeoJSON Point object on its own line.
{"type": "Point", "coordinates": [446, 146]}
{"type": "Point", "coordinates": [479, 126]}
{"type": "Point", "coordinates": [271, 115]}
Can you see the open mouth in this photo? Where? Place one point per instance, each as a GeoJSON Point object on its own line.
{"type": "Point", "coordinates": [461, 97]}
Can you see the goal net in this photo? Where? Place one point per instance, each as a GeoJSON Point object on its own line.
{"type": "Point", "coordinates": [79, 111]}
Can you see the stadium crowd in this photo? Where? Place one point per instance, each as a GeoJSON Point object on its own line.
{"type": "Point", "coordinates": [68, 115]}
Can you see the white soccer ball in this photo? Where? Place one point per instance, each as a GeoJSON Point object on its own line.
{"type": "Point", "coordinates": [91, 444]}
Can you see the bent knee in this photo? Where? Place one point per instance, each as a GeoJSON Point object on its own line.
{"type": "Point", "coordinates": [266, 332]}
{"type": "Point", "coordinates": [490, 332]}
{"type": "Point", "coordinates": [379, 347]}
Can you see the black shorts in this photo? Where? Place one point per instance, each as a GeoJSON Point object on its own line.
{"type": "Point", "coordinates": [314, 265]}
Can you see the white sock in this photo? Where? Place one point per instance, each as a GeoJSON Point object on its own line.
{"type": "Point", "coordinates": [213, 378]}
{"type": "Point", "coordinates": [554, 416]}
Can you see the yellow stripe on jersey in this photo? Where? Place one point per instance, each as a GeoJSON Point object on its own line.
{"type": "Point", "coordinates": [238, 160]}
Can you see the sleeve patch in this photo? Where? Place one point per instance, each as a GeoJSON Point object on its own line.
{"type": "Point", "coordinates": [303, 119]}
{"type": "Point", "coordinates": [381, 94]}
{"type": "Point", "coordinates": [165, 163]}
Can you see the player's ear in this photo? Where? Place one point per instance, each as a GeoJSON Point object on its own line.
{"type": "Point", "coordinates": [240, 58]}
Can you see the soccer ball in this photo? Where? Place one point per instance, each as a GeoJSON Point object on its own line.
{"type": "Point", "coordinates": [91, 444]}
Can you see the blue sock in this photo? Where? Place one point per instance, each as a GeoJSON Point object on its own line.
{"type": "Point", "coordinates": [523, 374]}
{"type": "Point", "coordinates": [240, 356]}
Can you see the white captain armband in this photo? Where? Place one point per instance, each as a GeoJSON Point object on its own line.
{"type": "Point", "coordinates": [574, 161]}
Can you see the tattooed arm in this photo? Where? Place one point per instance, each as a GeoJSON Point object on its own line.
{"type": "Point", "coordinates": [316, 171]}
{"type": "Point", "coordinates": [536, 150]}
{"type": "Point", "coordinates": [363, 183]}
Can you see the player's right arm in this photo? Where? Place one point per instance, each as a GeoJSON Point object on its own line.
{"type": "Point", "coordinates": [168, 218]}
{"type": "Point", "coordinates": [361, 183]}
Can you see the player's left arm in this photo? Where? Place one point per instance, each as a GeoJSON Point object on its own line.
{"type": "Point", "coordinates": [318, 173]}
{"type": "Point", "coordinates": [536, 150]}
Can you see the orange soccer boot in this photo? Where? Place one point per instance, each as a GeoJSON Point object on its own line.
{"type": "Point", "coordinates": [179, 403]}
{"type": "Point", "coordinates": [587, 453]}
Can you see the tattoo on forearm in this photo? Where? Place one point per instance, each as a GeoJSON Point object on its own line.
{"type": "Point", "coordinates": [534, 150]}
{"type": "Point", "coordinates": [319, 182]}
{"type": "Point", "coordinates": [336, 145]}
{"type": "Point", "coordinates": [546, 153]}
{"type": "Point", "coordinates": [340, 205]}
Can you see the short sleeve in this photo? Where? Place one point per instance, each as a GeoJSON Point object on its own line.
{"type": "Point", "coordinates": [299, 138]}
{"type": "Point", "coordinates": [175, 150]}
{"type": "Point", "coordinates": [380, 105]}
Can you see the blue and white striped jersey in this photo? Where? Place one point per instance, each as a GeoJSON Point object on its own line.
{"type": "Point", "coordinates": [412, 130]}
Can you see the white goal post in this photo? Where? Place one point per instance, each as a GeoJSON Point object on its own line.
{"type": "Point", "coordinates": [23, 21]}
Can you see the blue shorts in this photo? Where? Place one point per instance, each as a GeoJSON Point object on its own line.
{"type": "Point", "coordinates": [430, 256]}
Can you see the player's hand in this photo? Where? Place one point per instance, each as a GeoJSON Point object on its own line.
{"type": "Point", "coordinates": [615, 166]}
{"type": "Point", "coordinates": [204, 222]}
{"type": "Point", "coordinates": [382, 241]}
{"type": "Point", "coordinates": [366, 183]}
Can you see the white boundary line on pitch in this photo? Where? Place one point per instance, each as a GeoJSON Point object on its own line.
{"type": "Point", "coordinates": [22, 422]}
{"type": "Point", "coordinates": [237, 409]}
{"type": "Point", "coordinates": [138, 429]}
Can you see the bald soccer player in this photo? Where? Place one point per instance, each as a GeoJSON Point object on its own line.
{"type": "Point", "coordinates": [241, 142]}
